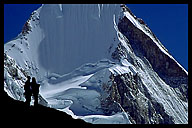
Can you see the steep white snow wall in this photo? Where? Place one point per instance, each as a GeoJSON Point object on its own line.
{"type": "Point", "coordinates": [76, 34]}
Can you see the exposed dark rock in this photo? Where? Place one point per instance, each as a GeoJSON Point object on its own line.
{"type": "Point", "coordinates": [26, 28]}
{"type": "Point", "coordinates": [144, 46]}
{"type": "Point", "coordinates": [128, 90]}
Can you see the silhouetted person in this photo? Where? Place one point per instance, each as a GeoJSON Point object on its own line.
{"type": "Point", "coordinates": [28, 91]}
{"type": "Point", "coordinates": [35, 90]}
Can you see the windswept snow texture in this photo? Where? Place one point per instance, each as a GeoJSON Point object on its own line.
{"type": "Point", "coordinates": [76, 52]}
{"type": "Point", "coordinates": [82, 32]}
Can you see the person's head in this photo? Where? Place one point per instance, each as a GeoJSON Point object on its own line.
{"type": "Point", "coordinates": [28, 77]}
{"type": "Point", "coordinates": [33, 79]}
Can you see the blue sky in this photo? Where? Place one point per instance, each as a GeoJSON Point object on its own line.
{"type": "Point", "coordinates": [15, 16]}
{"type": "Point", "coordinates": [169, 22]}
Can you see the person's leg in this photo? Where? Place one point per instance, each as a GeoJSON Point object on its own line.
{"type": "Point", "coordinates": [28, 100]}
{"type": "Point", "coordinates": [36, 100]}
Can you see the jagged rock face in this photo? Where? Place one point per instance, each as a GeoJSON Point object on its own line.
{"type": "Point", "coordinates": [132, 95]}
{"type": "Point", "coordinates": [130, 92]}
{"type": "Point", "coordinates": [144, 46]}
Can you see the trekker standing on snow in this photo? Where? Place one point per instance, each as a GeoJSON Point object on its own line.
{"type": "Point", "coordinates": [28, 91]}
{"type": "Point", "coordinates": [35, 90]}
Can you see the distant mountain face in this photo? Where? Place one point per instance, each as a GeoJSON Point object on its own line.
{"type": "Point", "coordinates": [99, 63]}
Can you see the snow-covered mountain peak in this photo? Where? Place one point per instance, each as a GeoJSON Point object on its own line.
{"type": "Point", "coordinates": [100, 63]}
